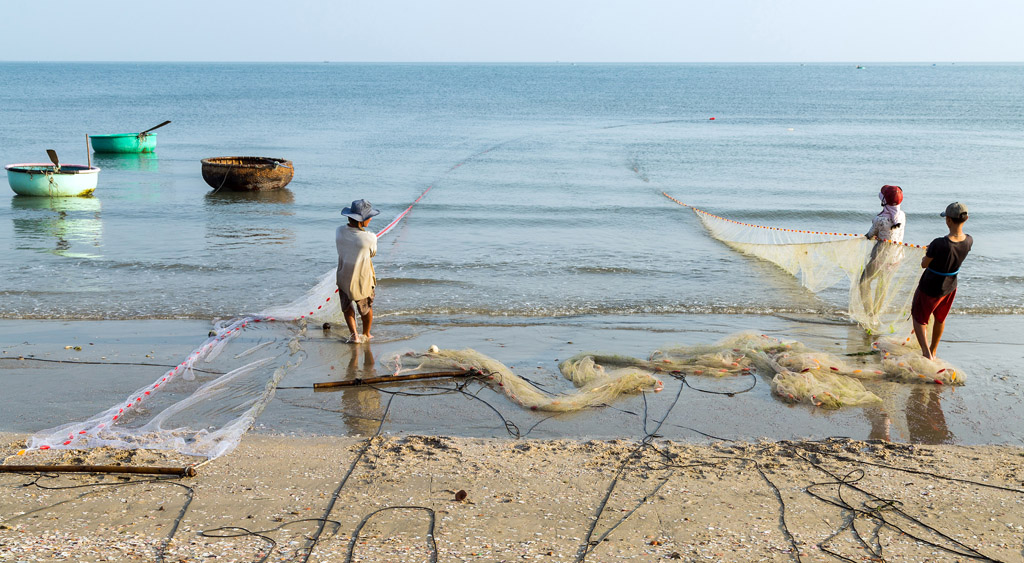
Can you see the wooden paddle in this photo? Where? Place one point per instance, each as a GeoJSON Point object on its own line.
{"type": "Point", "coordinates": [53, 158]}
{"type": "Point", "coordinates": [143, 134]}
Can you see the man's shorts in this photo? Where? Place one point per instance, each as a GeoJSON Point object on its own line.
{"type": "Point", "coordinates": [363, 306]}
{"type": "Point", "coordinates": [925, 306]}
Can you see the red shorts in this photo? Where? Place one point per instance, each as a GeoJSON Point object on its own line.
{"type": "Point", "coordinates": [925, 306]}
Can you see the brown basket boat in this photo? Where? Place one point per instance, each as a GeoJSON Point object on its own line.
{"type": "Point", "coordinates": [247, 173]}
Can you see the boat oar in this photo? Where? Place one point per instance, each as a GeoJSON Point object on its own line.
{"type": "Point", "coordinates": [144, 133]}
{"type": "Point", "coordinates": [53, 158]}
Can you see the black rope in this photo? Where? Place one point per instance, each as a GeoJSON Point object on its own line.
{"type": "Point", "coordinates": [430, 530]}
{"type": "Point", "coordinates": [876, 507]}
{"type": "Point", "coordinates": [26, 359]}
{"type": "Point", "coordinates": [344, 480]}
{"type": "Point", "coordinates": [782, 511]}
{"type": "Point", "coordinates": [589, 543]}
{"type": "Point", "coordinates": [682, 377]}
{"type": "Point", "coordinates": [238, 532]}
{"type": "Point", "coordinates": [161, 551]}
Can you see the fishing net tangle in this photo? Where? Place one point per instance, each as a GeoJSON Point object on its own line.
{"type": "Point", "coordinates": [881, 277]}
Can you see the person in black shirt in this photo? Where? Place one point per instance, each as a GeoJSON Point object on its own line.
{"type": "Point", "coordinates": [937, 288]}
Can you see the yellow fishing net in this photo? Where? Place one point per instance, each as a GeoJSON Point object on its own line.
{"type": "Point", "coordinates": [798, 374]}
{"type": "Point", "coordinates": [594, 385]}
{"type": "Point", "coordinates": [880, 275]}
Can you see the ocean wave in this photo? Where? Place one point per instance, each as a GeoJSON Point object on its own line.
{"type": "Point", "coordinates": [394, 282]}
{"type": "Point", "coordinates": [410, 314]}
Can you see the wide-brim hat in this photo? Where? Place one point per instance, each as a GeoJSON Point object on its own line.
{"type": "Point", "coordinates": [360, 210]}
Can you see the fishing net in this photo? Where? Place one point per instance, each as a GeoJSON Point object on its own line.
{"type": "Point", "coordinates": [902, 361]}
{"type": "Point", "coordinates": [798, 373]}
{"type": "Point", "coordinates": [876, 279]}
{"type": "Point", "coordinates": [206, 403]}
{"type": "Point", "coordinates": [203, 405]}
{"type": "Point", "coordinates": [594, 384]}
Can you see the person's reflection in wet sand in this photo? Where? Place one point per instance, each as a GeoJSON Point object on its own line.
{"type": "Point", "coordinates": [360, 405]}
{"type": "Point", "coordinates": [926, 422]}
{"type": "Point", "coordinates": [880, 423]}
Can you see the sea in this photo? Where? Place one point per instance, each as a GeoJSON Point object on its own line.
{"type": "Point", "coordinates": [546, 180]}
{"type": "Point", "coordinates": [546, 186]}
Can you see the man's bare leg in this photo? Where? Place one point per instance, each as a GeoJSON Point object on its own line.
{"type": "Point", "coordinates": [922, 339]}
{"type": "Point", "coordinates": [367, 323]}
{"type": "Point", "coordinates": [936, 336]}
{"type": "Point", "coordinates": [350, 320]}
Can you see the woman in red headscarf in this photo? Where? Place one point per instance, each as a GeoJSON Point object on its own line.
{"type": "Point", "coordinates": [887, 228]}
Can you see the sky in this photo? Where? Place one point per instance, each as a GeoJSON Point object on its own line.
{"type": "Point", "coordinates": [515, 30]}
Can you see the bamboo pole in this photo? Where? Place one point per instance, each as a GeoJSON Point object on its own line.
{"type": "Point", "coordinates": [393, 378]}
{"type": "Point", "coordinates": [187, 471]}
{"type": "Point", "coordinates": [88, 155]}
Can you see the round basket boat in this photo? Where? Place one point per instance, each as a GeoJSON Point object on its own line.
{"type": "Point", "coordinates": [46, 180]}
{"type": "Point", "coordinates": [123, 143]}
{"type": "Point", "coordinates": [247, 173]}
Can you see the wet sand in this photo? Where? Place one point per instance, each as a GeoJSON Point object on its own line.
{"type": "Point", "coordinates": [463, 499]}
{"type": "Point", "coordinates": [721, 479]}
{"type": "Point", "coordinates": [988, 350]}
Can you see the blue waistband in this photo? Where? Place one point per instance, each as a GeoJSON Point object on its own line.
{"type": "Point", "coordinates": [943, 274]}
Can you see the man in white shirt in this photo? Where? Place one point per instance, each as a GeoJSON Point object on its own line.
{"type": "Point", "coordinates": [356, 278]}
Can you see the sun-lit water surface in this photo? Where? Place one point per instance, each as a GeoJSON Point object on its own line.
{"type": "Point", "coordinates": [547, 182]}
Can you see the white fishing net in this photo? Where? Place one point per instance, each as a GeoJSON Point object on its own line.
{"type": "Point", "coordinates": [877, 278]}
{"type": "Point", "coordinates": [594, 384]}
{"type": "Point", "coordinates": [798, 374]}
{"type": "Point", "coordinates": [206, 403]}
{"type": "Point", "coordinates": [203, 405]}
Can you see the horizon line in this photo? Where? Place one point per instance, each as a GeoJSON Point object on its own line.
{"type": "Point", "coordinates": [328, 61]}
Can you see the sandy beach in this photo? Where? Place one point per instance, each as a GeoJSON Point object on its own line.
{"type": "Point", "coordinates": [681, 475]}
{"type": "Point", "coordinates": [278, 498]}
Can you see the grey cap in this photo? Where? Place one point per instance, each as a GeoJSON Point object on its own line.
{"type": "Point", "coordinates": [360, 210]}
{"type": "Point", "coordinates": [955, 210]}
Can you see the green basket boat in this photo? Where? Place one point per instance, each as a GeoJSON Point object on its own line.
{"type": "Point", "coordinates": [124, 142]}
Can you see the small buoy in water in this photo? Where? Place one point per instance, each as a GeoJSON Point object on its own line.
{"type": "Point", "coordinates": [711, 119]}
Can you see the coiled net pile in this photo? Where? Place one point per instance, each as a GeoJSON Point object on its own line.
{"type": "Point", "coordinates": [798, 374]}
